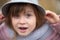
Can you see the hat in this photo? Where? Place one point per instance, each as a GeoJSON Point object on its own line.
{"type": "Point", "coordinates": [5, 7]}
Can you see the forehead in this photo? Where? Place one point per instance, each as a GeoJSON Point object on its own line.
{"type": "Point", "coordinates": [27, 9]}
{"type": "Point", "coordinates": [16, 9]}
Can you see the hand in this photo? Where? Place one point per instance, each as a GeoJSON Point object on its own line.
{"type": "Point", "coordinates": [51, 17]}
{"type": "Point", "coordinates": [2, 18]}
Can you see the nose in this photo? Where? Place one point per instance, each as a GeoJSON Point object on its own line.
{"type": "Point", "coordinates": [22, 21]}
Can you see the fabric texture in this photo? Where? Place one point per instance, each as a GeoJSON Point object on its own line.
{"type": "Point", "coordinates": [46, 32]}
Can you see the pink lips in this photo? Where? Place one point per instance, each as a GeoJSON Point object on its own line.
{"type": "Point", "coordinates": [23, 29]}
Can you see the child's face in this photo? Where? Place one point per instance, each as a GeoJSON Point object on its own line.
{"type": "Point", "coordinates": [25, 23]}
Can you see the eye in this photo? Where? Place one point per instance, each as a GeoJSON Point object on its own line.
{"type": "Point", "coordinates": [28, 15]}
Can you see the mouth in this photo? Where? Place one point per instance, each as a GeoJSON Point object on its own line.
{"type": "Point", "coordinates": [23, 29]}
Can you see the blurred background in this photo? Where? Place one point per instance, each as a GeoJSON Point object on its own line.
{"type": "Point", "coordinates": [53, 5]}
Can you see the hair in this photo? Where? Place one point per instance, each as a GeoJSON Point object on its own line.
{"type": "Point", "coordinates": [15, 9]}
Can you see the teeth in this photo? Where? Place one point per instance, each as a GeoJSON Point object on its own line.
{"type": "Point", "coordinates": [23, 28]}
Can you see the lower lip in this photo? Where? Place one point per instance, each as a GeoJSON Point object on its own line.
{"type": "Point", "coordinates": [23, 31]}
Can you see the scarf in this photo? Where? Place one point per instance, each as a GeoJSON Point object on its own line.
{"type": "Point", "coordinates": [40, 34]}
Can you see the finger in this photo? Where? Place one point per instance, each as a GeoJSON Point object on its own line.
{"type": "Point", "coordinates": [50, 13]}
{"type": "Point", "coordinates": [59, 16]}
{"type": "Point", "coordinates": [49, 19]}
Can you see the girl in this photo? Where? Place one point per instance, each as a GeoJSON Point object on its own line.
{"type": "Point", "coordinates": [25, 20]}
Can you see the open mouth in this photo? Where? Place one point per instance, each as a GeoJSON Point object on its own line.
{"type": "Point", "coordinates": [23, 28]}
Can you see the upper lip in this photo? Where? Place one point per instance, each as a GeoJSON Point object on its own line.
{"type": "Point", "coordinates": [22, 26]}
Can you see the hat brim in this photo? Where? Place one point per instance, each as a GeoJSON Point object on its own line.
{"type": "Point", "coordinates": [5, 7]}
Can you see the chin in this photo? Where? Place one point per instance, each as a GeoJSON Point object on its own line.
{"type": "Point", "coordinates": [24, 34]}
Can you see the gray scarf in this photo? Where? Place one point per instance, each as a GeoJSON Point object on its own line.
{"type": "Point", "coordinates": [39, 34]}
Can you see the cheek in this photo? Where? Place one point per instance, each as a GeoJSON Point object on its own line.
{"type": "Point", "coordinates": [32, 23]}
{"type": "Point", "coordinates": [14, 21]}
